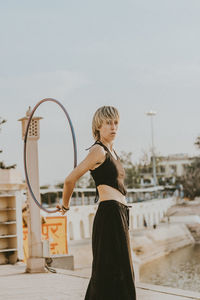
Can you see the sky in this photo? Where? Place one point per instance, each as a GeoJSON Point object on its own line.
{"type": "Point", "coordinates": [135, 55]}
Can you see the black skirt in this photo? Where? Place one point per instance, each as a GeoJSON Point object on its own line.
{"type": "Point", "coordinates": [112, 275]}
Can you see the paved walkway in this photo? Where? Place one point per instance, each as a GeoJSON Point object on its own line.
{"type": "Point", "coordinates": [15, 284]}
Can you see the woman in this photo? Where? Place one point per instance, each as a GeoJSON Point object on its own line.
{"type": "Point", "coordinates": [112, 275]}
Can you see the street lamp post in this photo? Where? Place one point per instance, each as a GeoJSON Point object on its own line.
{"type": "Point", "coordinates": [152, 114]}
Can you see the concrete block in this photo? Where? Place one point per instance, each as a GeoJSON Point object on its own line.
{"type": "Point", "coordinates": [35, 265]}
{"type": "Point", "coordinates": [64, 261]}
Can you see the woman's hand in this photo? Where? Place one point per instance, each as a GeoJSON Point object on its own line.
{"type": "Point", "coordinates": [61, 209]}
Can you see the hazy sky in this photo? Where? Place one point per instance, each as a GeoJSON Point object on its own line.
{"type": "Point", "coordinates": [135, 55]}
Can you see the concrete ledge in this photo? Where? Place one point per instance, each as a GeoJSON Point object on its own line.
{"type": "Point", "coordinates": [185, 219]}
{"type": "Point", "coordinates": [169, 291]}
{"type": "Point", "coordinates": [157, 291]}
{"type": "Point", "coordinates": [82, 252]}
{"type": "Point", "coordinates": [153, 243]}
{"type": "Point", "coordinates": [64, 261]}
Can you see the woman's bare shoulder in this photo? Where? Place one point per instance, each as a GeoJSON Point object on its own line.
{"type": "Point", "coordinates": [97, 150]}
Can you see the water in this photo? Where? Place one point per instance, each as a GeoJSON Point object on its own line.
{"type": "Point", "coordinates": [180, 269]}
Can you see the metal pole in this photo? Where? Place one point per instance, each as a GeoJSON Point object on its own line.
{"type": "Point", "coordinates": [153, 154]}
{"type": "Point", "coordinates": [151, 114]}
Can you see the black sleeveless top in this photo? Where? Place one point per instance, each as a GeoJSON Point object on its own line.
{"type": "Point", "coordinates": [110, 172]}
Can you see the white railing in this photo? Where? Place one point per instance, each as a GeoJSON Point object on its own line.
{"type": "Point", "coordinates": [148, 213]}
{"type": "Point", "coordinates": [145, 210]}
{"type": "Point", "coordinates": [86, 196]}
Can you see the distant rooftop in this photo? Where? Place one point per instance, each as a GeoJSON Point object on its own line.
{"type": "Point", "coordinates": [177, 156]}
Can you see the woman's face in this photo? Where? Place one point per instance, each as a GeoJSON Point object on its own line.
{"type": "Point", "coordinates": [108, 129]}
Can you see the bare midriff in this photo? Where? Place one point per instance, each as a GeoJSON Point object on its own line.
{"type": "Point", "coordinates": [107, 192]}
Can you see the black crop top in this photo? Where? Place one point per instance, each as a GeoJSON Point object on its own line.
{"type": "Point", "coordinates": [110, 172]}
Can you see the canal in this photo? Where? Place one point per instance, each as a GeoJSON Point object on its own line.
{"type": "Point", "coordinates": [179, 269]}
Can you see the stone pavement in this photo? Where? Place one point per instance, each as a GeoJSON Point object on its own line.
{"type": "Point", "coordinates": [15, 284]}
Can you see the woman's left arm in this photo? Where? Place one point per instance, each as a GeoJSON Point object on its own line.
{"type": "Point", "coordinates": [94, 156]}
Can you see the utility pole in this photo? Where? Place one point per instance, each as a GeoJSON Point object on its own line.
{"type": "Point", "coordinates": [151, 114]}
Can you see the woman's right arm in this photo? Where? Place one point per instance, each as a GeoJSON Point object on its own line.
{"type": "Point", "coordinates": [95, 156]}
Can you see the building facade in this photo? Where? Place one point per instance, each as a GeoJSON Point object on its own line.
{"type": "Point", "coordinates": [168, 168]}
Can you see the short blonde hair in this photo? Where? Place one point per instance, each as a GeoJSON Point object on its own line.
{"type": "Point", "coordinates": [103, 113]}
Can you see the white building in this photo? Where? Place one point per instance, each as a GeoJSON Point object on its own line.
{"type": "Point", "coordinates": [168, 168]}
{"type": "Point", "coordinates": [173, 165]}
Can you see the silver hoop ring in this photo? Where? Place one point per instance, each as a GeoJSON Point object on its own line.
{"type": "Point", "coordinates": [25, 143]}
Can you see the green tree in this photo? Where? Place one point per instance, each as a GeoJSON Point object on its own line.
{"type": "Point", "coordinates": [2, 121]}
{"type": "Point", "coordinates": [132, 177]}
{"type": "Point", "coordinates": [191, 178]}
{"type": "Point", "coordinates": [91, 183]}
{"type": "Point", "coordinates": [197, 142]}
{"type": "Point", "coordinates": [2, 165]}
{"type": "Point", "coordinates": [86, 181]}
{"type": "Point", "coordinates": [60, 185]}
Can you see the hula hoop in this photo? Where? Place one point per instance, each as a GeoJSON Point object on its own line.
{"type": "Point", "coordinates": [25, 143]}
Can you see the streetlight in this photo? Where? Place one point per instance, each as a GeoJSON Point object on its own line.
{"type": "Point", "coordinates": [152, 114]}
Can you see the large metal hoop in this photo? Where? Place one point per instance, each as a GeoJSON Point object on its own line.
{"type": "Point", "coordinates": [25, 143]}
